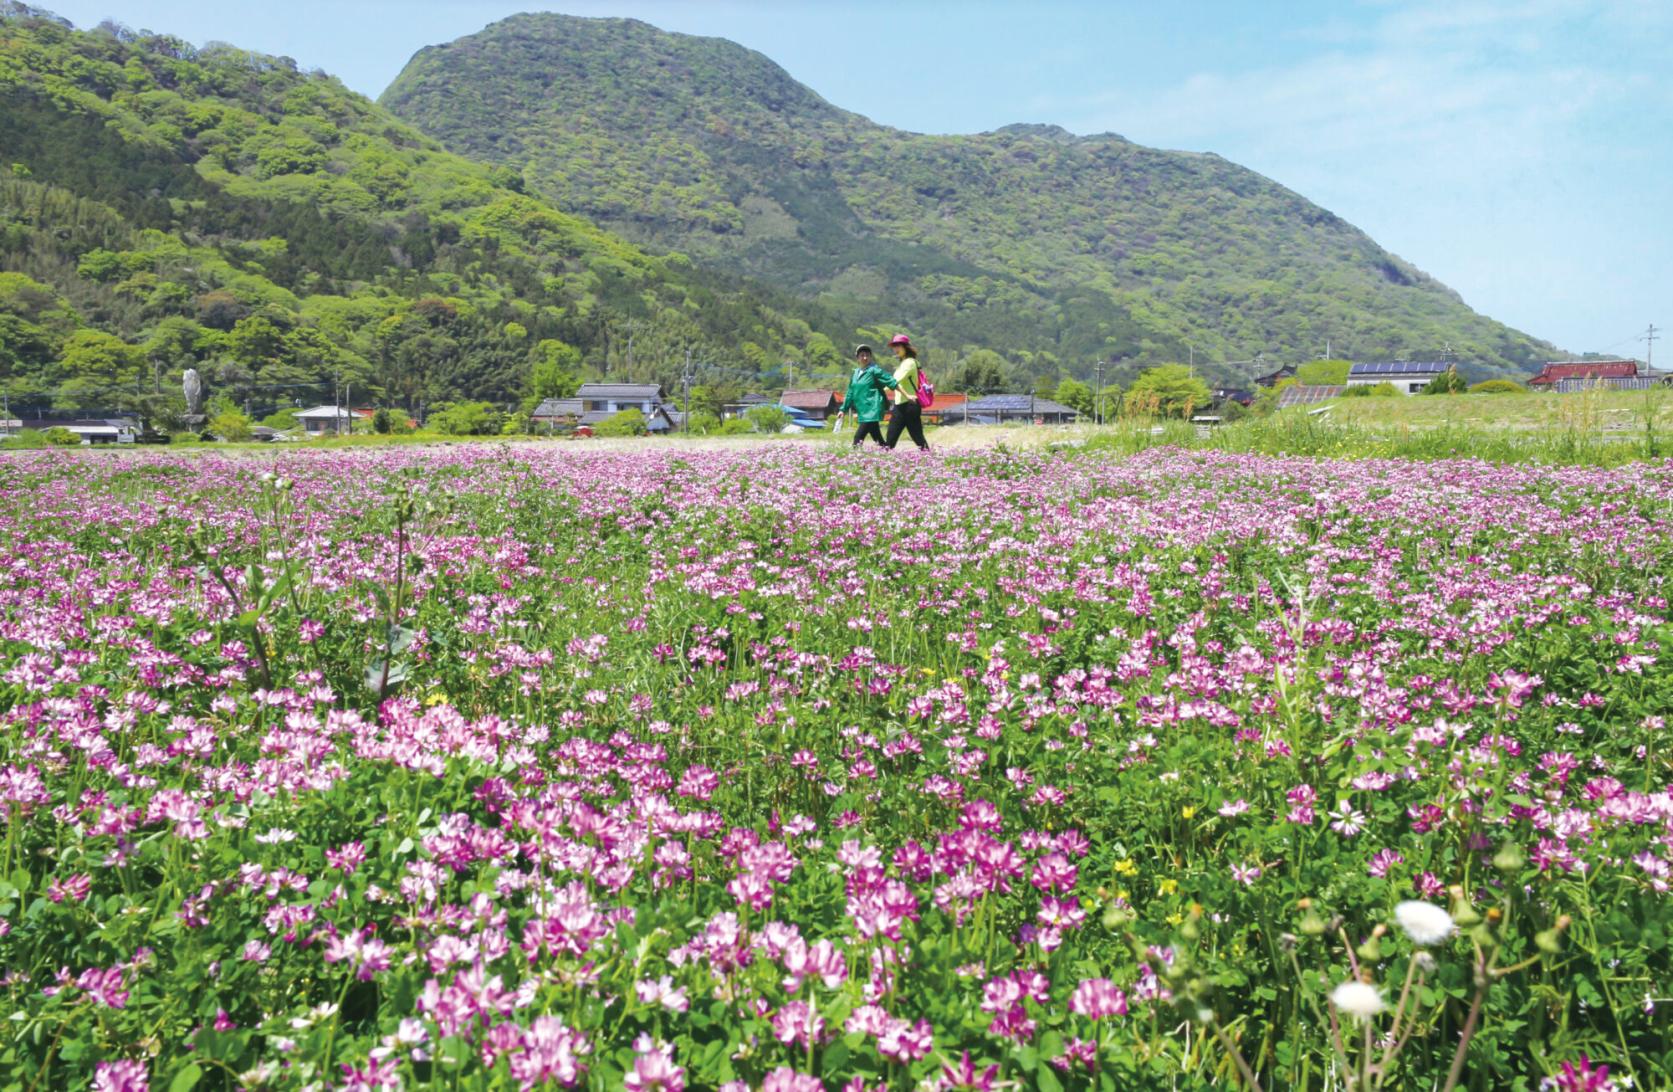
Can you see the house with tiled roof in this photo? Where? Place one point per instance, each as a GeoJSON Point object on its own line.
{"type": "Point", "coordinates": [948, 408]}
{"type": "Point", "coordinates": [1557, 373]}
{"type": "Point", "coordinates": [1002, 408]}
{"type": "Point", "coordinates": [817, 404]}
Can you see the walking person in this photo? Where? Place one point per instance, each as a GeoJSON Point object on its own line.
{"type": "Point", "coordinates": [865, 396]}
{"type": "Point", "coordinates": [906, 416]}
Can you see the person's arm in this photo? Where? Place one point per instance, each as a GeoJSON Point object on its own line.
{"type": "Point", "coordinates": [885, 378]}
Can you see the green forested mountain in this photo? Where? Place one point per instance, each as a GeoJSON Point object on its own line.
{"type": "Point", "coordinates": [164, 207]}
{"type": "Point", "coordinates": [1028, 240]}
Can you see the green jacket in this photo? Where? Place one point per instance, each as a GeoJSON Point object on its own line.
{"type": "Point", "coordinates": [865, 393]}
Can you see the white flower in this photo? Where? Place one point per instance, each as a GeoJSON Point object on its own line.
{"type": "Point", "coordinates": [1426, 923]}
{"type": "Point", "coordinates": [1357, 999]}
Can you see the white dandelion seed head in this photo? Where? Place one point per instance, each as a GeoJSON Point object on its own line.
{"type": "Point", "coordinates": [1426, 923]}
{"type": "Point", "coordinates": [1357, 999]}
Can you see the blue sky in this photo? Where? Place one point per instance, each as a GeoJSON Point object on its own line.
{"type": "Point", "coordinates": [1522, 152]}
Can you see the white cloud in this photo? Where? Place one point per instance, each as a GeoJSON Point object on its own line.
{"type": "Point", "coordinates": [1511, 149]}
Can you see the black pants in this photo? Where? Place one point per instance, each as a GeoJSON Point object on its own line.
{"type": "Point", "coordinates": [907, 416]}
{"type": "Point", "coordinates": [869, 428]}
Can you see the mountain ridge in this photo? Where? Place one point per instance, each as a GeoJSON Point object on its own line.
{"type": "Point", "coordinates": [164, 206]}
{"type": "Point", "coordinates": [1028, 238]}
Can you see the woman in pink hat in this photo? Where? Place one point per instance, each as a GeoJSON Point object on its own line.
{"type": "Point", "coordinates": [906, 415]}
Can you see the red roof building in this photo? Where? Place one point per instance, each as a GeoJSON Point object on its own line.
{"type": "Point", "coordinates": [815, 403]}
{"type": "Point", "coordinates": [946, 406]}
{"type": "Point", "coordinates": [1559, 370]}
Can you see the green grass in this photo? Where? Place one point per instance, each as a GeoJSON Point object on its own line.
{"type": "Point", "coordinates": [1604, 410]}
{"type": "Point", "coordinates": [1586, 429]}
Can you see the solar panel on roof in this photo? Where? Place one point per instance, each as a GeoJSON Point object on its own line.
{"type": "Point", "coordinates": [1399, 367]}
{"type": "Point", "coordinates": [1299, 395]}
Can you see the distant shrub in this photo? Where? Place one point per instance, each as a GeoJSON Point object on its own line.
{"type": "Point", "coordinates": [735, 426]}
{"type": "Point", "coordinates": [60, 437]}
{"type": "Point", "coordinates": [1498, 386]}
{"type": "Point", "coordinates": [26, 439]}
{"type": "Point", "coordinates": [702, 422]}
{"type": "Point", "coordinates": [767, 419]}
{"type": "Point", "coordinates": [1448, 382]}
{"type": "Point", "coordinates": [1373, 390]}
{"type": "Point", "coordinates": [466, 419]}
{"type": "Point", "coordinates": [231, 426]}
{"type": "Point", "coordinates": [629, 422]}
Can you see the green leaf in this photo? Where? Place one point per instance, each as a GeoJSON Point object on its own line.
{"type": "Point", "coordinates": [1046, 1080]}
{"type": "Point", "coordinates": [186, 1079]}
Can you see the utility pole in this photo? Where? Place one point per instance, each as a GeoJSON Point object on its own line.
{"type": "Point", "coordinates": [1650, 336]}
{"type": "Point", "coordinates": [1098, 392]}
{"type": "Point", "coordinates": [685, 423]}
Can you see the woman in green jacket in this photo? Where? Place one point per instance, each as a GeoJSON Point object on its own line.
{"type": "Point", "coordinates": [865, 396]}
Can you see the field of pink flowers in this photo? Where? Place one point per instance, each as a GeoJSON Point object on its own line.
{"type": "Point", "coordinates": [789, 770]}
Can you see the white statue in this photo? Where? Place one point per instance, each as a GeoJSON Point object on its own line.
{"type": "Point", "coordinates": [193, 387]}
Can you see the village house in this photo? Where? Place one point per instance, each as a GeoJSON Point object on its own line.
{"type": "Point", "coordinates": [556, 413]}
{"type": "Point", "coordinates": [326, 420]}
{"type": "Point", "coordinates": [817, 404]}
{"type": "Point", "coordinates": [999, 409]}
{"type": "Point", "coordinates": [90, 430]}
{"type": "Point", "coordinates": [1575, 375]}
{"type": "Point", "coordinates": [1272, 379]}
{"type": "Point", "coordinates": [609, 398]}
{"type": "Point", "coordinates": [1407, 377]}
{"type": "Point", "coordinates": [950, 408]}
{"type": "Point", "coordinates": [745, 404]}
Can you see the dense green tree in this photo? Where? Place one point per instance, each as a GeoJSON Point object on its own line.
{"type": "Point", "coordinates": [980, 372]}
{"type": "Point", "coordinates": [1448, 382]}
{"type": "Point", "coordinates": [1074, 394]}
{"type": "Point", "coordinates": [553, 371]}
{"type": "Point", "coordinates": [231, 426]}
{"type": "Point", "coordinates": [1171, 390]}
{"type": "Point", "coordinates": [1323, 373]}
{"type": "Point", "coordinates": [466, 419]}
{"type": "Point", "coordinates": [95, 370]}
{"type": "Point", "coordinates": [767, 419]}
{"type": "Point", "coordinates": [822, 355]}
